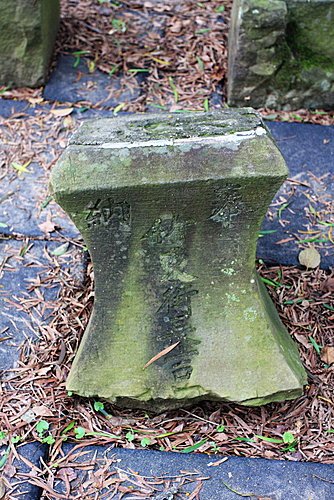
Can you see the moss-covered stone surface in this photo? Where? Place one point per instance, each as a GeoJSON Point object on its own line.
{"type": "Point", "coordinates": [27, 33]}
{"type": "Point", "coordinates": [281, 54]}
{"type": "Point", "coordinates": [169, 207]}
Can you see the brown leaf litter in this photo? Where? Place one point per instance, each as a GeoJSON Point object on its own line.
{"type": "Point", "coordinates": [180, 49]}
{"type": "Point", "coordinates": [184, 49]}
{"type": "Point", "coordinates": [37, 384]}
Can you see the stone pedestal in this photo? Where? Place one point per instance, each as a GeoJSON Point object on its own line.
{"type": "Point", "coordinates": [28, 31]}
{"type": "Point", "coordinates": [281, 54]}
{"type": "Point", "coordinates": [169, 207]}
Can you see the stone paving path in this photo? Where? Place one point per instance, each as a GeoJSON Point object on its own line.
{"type": "Point", "coordinates": [226, 480]}
{"type": "Point", "coordinates": [26, 253]}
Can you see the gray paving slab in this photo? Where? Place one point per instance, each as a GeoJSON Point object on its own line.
{"type": "Point", "coordinates": [309, 153]}
{"type": "Point", "coordinates": [25, 207]}
{"type": "Point", "coordinates": [305, 146]}
{"type": "Point", "coordinates": [15, 474]}
{"type": "Point", "coordinates": [258, 478]}
{"type": "Point", "coordinates": [24, 197]}
{"type": "Point", "coordinates": [71, 82]}
{"type": "Point", "coordinates": [25, 265]}
{"type": "Point", "coordinates": [9, 107]}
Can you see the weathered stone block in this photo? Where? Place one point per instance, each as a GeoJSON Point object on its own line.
{"type": "Point", "coordinates": [27, 33]}
{"type": "Point", "coordinates": [281, 54]}
{"type": "Point", "coordinates": [169, 206]}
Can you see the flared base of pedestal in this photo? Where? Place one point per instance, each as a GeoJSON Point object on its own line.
{"type": "Point", "coordinates": [241, 353]}
{"type": "Point", "coordinates": [160, 405]}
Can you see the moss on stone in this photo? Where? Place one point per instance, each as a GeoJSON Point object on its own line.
{"type": "Point", "coordinates": [27, 34]}
{"type": "Point", "coordinates": [292, 69]}
{"type": "Point", "coordinates": [310, 28]}
{"type": "Point", "coordinates": [166, 126]}
{"type": "Point", "coordinates": [172, 230]}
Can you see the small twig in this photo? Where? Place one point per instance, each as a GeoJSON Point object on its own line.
{"type": "Point", "coordinates": [199, 418]}
{"type": "Point", "coordinates": [217, 462]}
{"type": "Point", "coordinates": [323, 479]}
{"type": "Point", "coordinates": [238, 492]}
{"type": "Point", "coordinates": [181, 476]}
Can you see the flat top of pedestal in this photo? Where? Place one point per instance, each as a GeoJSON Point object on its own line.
{"type": "Point", "coordinates": [167, 128]}
{"type": "Point", "coordinates": [167, 148]}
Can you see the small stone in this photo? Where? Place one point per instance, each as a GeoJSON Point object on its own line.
{"type": "Point", "coordinates": [264, 69]}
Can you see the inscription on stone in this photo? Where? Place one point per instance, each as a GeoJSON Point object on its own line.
{"type": "Point", "coordinates": [228, 205]}
{"type": "Point", "coordinates": [108, 213]}
{"type": "Point", "coordinates": [165, 263]}
{"type": "Point", "coordinates": [173, 325]}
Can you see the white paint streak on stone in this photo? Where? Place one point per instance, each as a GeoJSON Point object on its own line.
{"type": "Point", "coordinates": [224, 140]}
{"type": "Point", "coordinates": [260, 131]}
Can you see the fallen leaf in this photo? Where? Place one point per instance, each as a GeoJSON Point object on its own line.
{"type": "Point", "coordinates": [62, 111]}
{"type": "Point", "coordinates": [67, 473]}
{"type": "Point", "coordinates": [35, 100]}
{"type": "Point", "coordinates": [176, 27]}
{"type": "Point", "coordinates": [9, 471]}
{"type": "Point", "coordinates": [328, 285]}
{"type": "Point", "coordinates": [302, 339]}
{"type": "Point", "coordinates": [2, 489]}
{"type": "Point", "coordinates": [61, 249]}
{"type": "Point", "coordinates": [29, 416]}
{"type": "Point", "coordinates": [119, 107]}
{"type": "Point", "coordinates": [218, 462]}
{"type": "Point", "coordinates": [42, 411]}
{"type": "Point", "coordinates": [22, 168]}
{"type": "Point", "coordinates": [195, 446]}
{"type": "Point", "coordinates": [310, 258]}
{"type": "Point", "coordinates": [160, 354]}
{"type": "Point", "coordinates": [44, 371]}
{"type": "Point", "coordinates": [221, 437]}
{"type": "Point", "coordinates": [47, 227]}
{"type": "Point", "coordinates": [68, 122]}
{"type": "Point", "coordinates": [327, 354]}
{"type": "Point", "coordinates": [160, 61]}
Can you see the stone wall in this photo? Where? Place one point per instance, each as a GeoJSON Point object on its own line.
{"type": "Point", "coordinates": [27, 33]}
{"type": "Point", "coordinates": [281, 54]}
